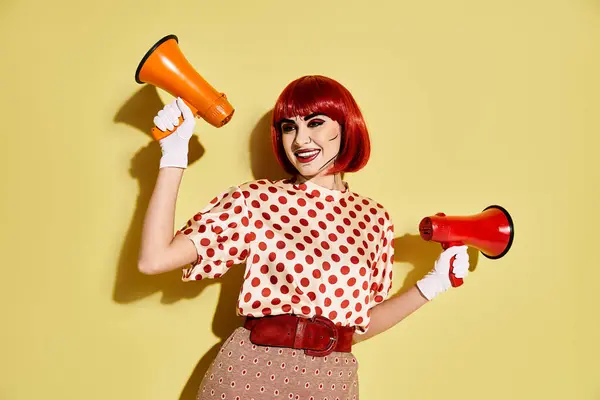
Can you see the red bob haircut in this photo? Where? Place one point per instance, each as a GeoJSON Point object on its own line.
{"type": "Point", "coordinates": [319, 94]}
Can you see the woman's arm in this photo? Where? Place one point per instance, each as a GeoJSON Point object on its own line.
{"type": "Point", "coordinates": [390, 312]}
{"type": "Point", "coordinates": [160, 251]}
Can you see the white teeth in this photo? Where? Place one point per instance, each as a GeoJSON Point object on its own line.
{"type": "Point", "coordinates": [307, 154]}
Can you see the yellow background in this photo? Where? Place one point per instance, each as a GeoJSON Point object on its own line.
{"type": "Point", "coordinates": [469, 103]}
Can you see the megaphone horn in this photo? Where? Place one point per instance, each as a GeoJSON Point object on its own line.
{"type": "Point", "coordinates": [491, 232]}
{"type": "Point", "coordinates": [165, 67]}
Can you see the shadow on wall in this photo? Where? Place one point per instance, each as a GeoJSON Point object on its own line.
{"type": "Point", "coordinates": [264, 166]}
{"type": "Point", "coordinates": [130, 285]}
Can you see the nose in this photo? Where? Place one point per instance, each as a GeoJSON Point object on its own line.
{"type": "Point", "coordinates": [302, 136]}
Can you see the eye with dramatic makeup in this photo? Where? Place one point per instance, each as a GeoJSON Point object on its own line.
{"type": "Point", "coordinates": [287, 127]}
{"type": "Point", "coordinates": [314, 123]}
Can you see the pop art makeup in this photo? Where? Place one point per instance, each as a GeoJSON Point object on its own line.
{"type": "Point", "coordinates": [311, 143]}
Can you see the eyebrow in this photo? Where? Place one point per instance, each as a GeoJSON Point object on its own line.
{"type": "Point", "coordinates": [313, 115]}
{"type": "Point", "coordinates": [306, 118]}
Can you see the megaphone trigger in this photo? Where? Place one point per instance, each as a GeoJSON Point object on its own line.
{"type": "Point", "coordinates": [456, 282]}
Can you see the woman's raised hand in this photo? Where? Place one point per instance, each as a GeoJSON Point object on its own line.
{"type": "Point", "coordinates": [175, 146]}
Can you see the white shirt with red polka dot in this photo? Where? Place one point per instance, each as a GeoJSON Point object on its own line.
{"type": "Point", "coordinates": [308, 250]}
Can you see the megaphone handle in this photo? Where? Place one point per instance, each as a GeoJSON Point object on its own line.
{"type": "Point", "coordinates": [157, 134]}
{"type": "Point", "coordinates": [456, 282]}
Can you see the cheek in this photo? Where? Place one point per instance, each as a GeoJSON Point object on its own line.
{"type": "Point", "coordinates": [287, 141]}
{"type": "Point", "coordinates": [333, 147]}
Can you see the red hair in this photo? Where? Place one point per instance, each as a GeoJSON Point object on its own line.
{"type": "Point", "coordinates": [319, 94]}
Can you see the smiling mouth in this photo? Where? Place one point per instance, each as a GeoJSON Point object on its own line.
{"type": "Point", "coordinates": [305, 156]}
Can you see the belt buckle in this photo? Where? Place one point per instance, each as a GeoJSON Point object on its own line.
{"type": "Point", "coordinates": [333, 338]}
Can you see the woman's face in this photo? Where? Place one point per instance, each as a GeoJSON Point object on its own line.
{"type": "Point", "coordinates": [311, 143]}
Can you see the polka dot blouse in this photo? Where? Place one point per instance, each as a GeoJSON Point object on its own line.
{"type": "Point", "coordinates": [308, 250]}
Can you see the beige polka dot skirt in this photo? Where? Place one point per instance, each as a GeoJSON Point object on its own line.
{"type": "Point", "coordinates": [244, 371]}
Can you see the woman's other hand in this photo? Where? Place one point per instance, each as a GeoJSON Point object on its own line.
{"type": "Point", "coordinates": [437, 280]}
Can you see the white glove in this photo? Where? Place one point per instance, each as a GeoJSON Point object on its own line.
{"type": "Point", "coordinates": [437, 280]}
{"type": "Point", "coordinates": [175, 146]}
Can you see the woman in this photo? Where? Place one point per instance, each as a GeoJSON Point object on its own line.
{"type": "Point", "coordinates": [318, 256]}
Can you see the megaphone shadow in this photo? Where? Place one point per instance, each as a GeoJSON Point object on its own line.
{"type": "Point", "coordinates": [422, 255]}
{"type": "Point", "coordinates": [130, 284]}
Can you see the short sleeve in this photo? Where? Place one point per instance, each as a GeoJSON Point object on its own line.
{"type": "Point", "coordinates": [382, 271]}
{"type": "Point", "coordinates": [220, 234]}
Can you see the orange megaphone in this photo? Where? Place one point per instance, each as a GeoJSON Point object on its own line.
{"type": "Point", "coordinates": [491, 232]}
{"type": "Point", "coordinates": [165, 66]}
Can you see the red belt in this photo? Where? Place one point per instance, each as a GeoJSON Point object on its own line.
{"type": "Point", "coordinates": [317, 336]}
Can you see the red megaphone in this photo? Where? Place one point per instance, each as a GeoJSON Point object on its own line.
{"type": "Point", "coordinates": [491, 232]}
